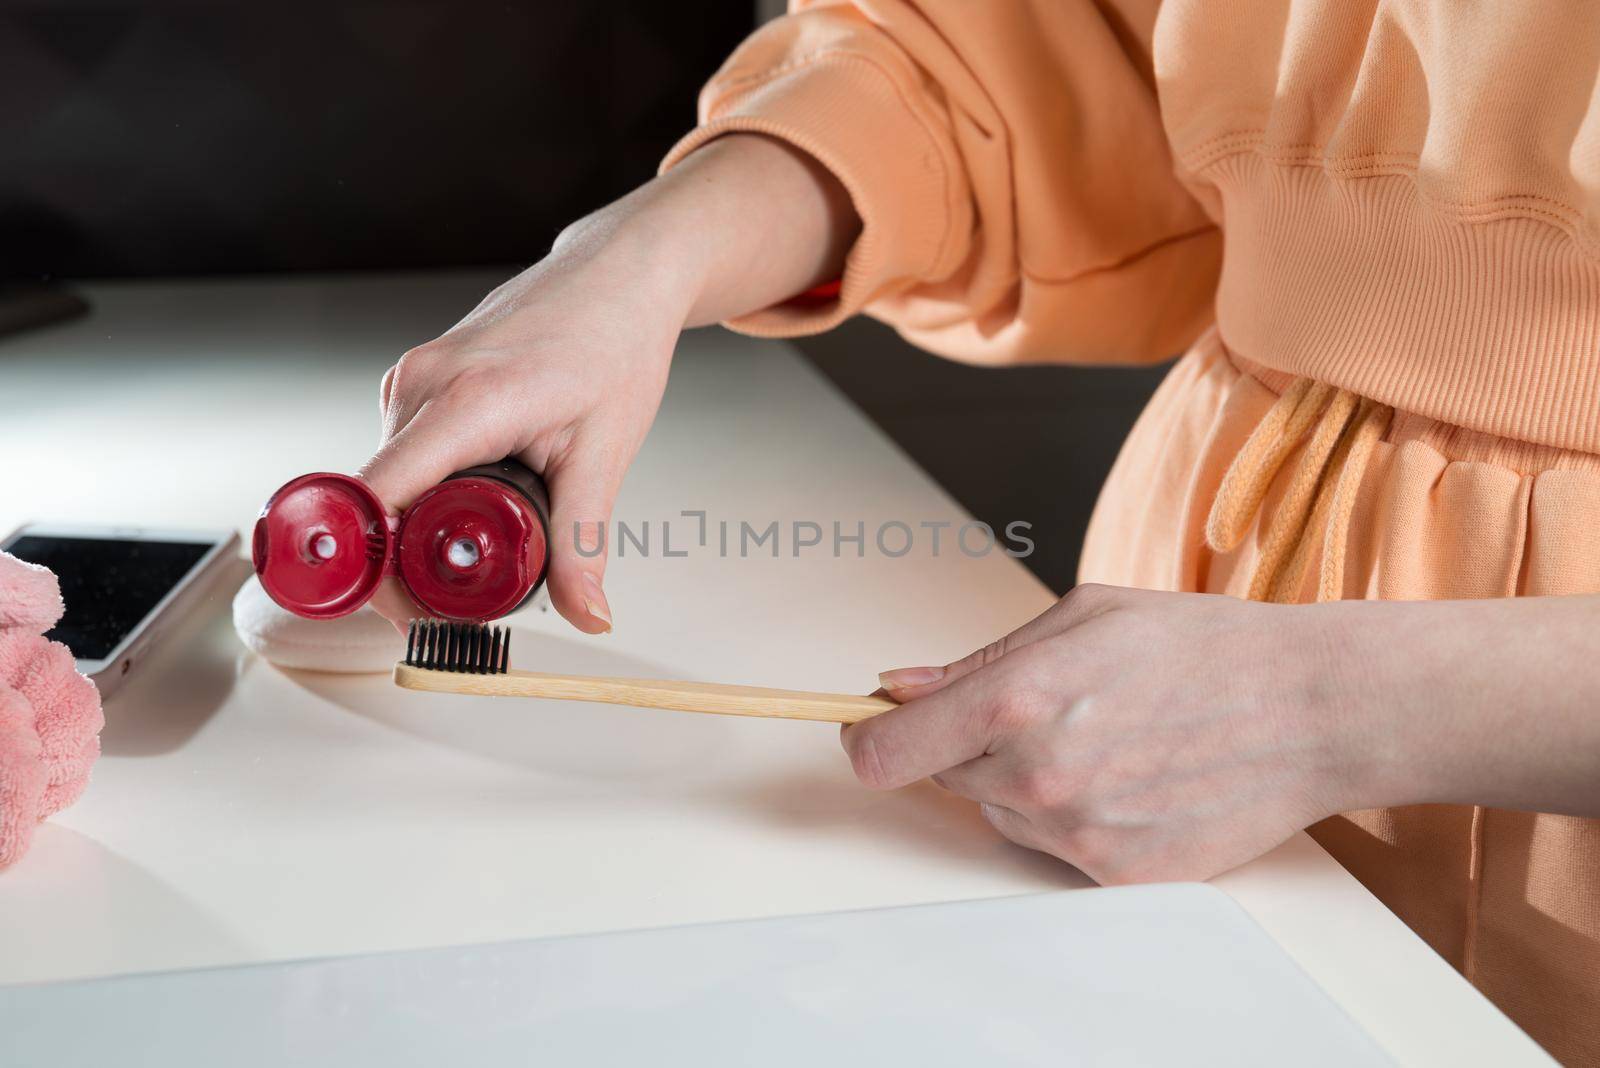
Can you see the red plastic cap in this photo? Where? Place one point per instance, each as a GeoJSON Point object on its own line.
{"type": "Point", "coordinates": [471, 548]}
{"type": "Point", "coordinates": [321, 544]}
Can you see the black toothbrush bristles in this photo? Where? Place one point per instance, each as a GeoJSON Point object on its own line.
{"type": "Point", "coordinates": [470, 648]}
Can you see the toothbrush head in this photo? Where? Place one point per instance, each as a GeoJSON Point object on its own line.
{"type": "Point", "coordinates": [468, 648]}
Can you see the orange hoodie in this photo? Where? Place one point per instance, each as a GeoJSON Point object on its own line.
{"type": "Point", "coordinates": [1410, 190]}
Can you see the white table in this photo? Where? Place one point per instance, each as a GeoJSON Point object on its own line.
{"type": "Point", "coordinates": [1067, 977]}
{"type": "Point", "coordinates": [244, 814]}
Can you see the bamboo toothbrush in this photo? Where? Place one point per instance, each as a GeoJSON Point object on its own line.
{"type": "Point", "coordinates": [474, 659]}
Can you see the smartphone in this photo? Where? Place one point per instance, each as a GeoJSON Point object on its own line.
{"type": "Point", "coordinates": [122, 586]}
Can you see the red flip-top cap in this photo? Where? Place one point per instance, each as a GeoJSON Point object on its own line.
{"type": "Point", "coordinates": [471, 548]}
{"type": "Point", "coordinates": [321, 545]}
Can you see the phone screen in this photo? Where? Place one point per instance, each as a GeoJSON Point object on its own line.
{"type": "Point", "coordinates": [108, 584]}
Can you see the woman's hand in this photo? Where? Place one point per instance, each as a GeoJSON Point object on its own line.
{"type": "Point", "coordinates": [563, 366]}
{"type": "Point", "coordinates": [1139, 736]}
{"type": "Point", "coordinates": [1156, 736]}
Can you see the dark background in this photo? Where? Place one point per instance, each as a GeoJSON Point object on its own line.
{"type": "Point", "coordinates": [169, 137]}
{"type": "Point", "coordinates": [179, 137]}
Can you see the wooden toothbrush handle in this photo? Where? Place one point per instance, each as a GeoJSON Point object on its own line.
{"type": "Point", "coordinates": [653, 693]}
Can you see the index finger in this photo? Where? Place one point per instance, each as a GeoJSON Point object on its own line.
{"type": "Point", "coordinates": [927, 735]}
{"type": "Point", "coordinates": [436, 442]}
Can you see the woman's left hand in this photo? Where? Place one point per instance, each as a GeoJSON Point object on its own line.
{"type": "Point", "coordinates": [1140, 736]}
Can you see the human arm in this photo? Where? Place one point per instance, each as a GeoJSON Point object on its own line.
{"type": "Point", "coordinates": [993, 179]}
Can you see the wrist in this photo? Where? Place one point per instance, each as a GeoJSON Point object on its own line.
{"type": "Point", "coordinates": [645, 237]}
{"type": "Point", "coordinates": [743, 222]}
{"type": "Point", "coordinates": [1348, 686]}
{"type": "Point", "coordinates": [1486, 702]}
{"type": "Point", "coordinates": [1407, 710]}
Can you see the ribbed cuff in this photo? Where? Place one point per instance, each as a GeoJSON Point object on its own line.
{"type": "Point", "coordinates": [849, 114]}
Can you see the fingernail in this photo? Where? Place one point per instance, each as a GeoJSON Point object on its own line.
{"type": "Point", "coordinates": [595, 603]}
{"type": "Point", "coordinates": [905, 678]}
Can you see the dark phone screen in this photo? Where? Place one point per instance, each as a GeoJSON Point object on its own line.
{"type": "Point", "coordinates": [109, 584]}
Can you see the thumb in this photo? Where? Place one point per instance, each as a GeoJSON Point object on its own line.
{"type": "Point", "coordinates": [583, 487]}
{"type": "Point", "coordinates": [1081, 604]}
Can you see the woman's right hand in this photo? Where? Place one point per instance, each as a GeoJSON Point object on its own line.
{"type": "Point", "coordinates": [564, 365]}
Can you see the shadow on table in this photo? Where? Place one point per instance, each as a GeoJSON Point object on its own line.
{"type": "Point", "coordinates": [921, 818]}
{"type": "Point", "coordinates": [187, 678]}
{"type": "Point", "coordinates": [664, 755]}
{"type": "Point", "coordinates": [568, 739]}
{"type": "Point", "coordinates": [87, 910]}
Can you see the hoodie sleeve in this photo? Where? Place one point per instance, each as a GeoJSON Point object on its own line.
{"type": "Point", "coordinates": [1007, 160]}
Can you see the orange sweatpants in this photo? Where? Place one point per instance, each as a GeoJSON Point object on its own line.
{"type": "Point", "coordinates": [1512, 899]}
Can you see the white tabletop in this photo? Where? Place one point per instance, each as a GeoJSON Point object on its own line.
{"type": "Point", "coordinates": [1062, 978]}
{"type": "Point", "coordinates": [244, 814]}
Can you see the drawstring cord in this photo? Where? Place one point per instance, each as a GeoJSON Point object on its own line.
{"type": "Point", "coordinates": [1319, 498]}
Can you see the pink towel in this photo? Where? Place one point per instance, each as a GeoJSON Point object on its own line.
{"type": "Point", "coordinates": [50, 716]}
